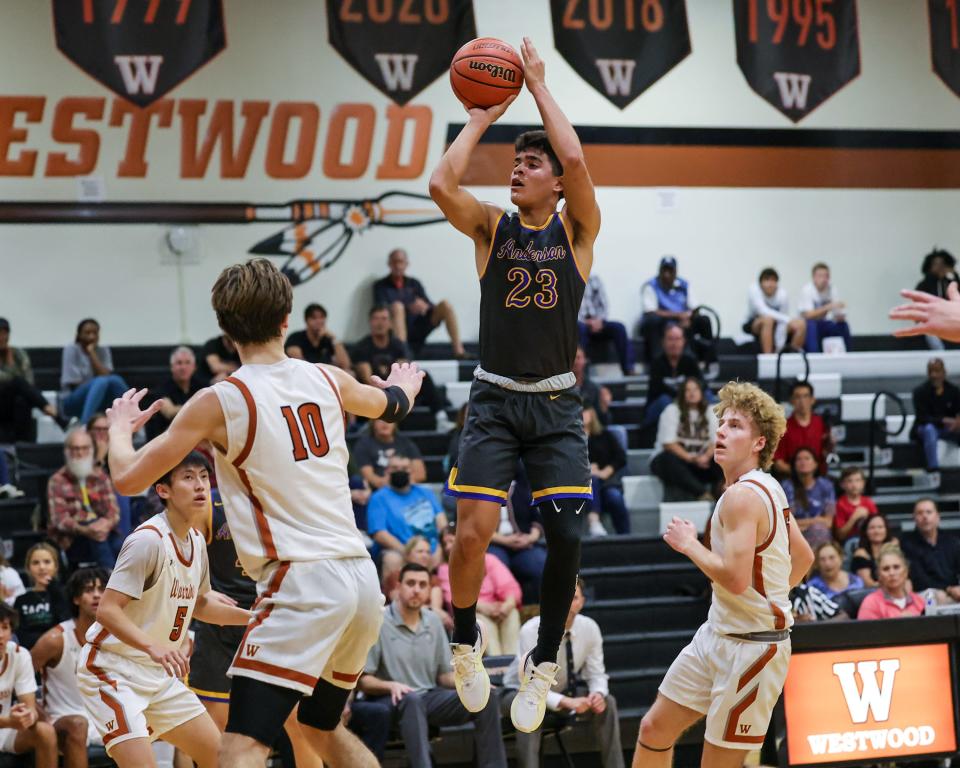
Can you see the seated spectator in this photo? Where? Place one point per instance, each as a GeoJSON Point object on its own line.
{"type": "Point", "coordinates": [824, 313]}
{"type": "Point", "coordinates": [934, 555]}
{"type": "Point", "coordinates": [593, 325]}
{"type": "Point", "coordinates": [607, 461]}
{"type": "Point", "coordinates": [936, 405]}
{"type": "Point", "coordinates": [519, 542]}
{"type": "Point", "coordinates": [666, 300]}
{"type": "Point", "coordinates": [45, 604]}
{"type": "Point", "coordinates": [55, 658]}
{"type": "Point", "coordinates": [497, 602]}
{"type": "Point", "coordinates": [810, 604]}
{"type": "Point", "coordinates": [893, 599]}
{"type": "Point", "coordinates": [874, 533]}
{"type": "Point", "coordinates": [99, 429]}
{"type": "Point", "coordinates": [376, 352]}
{"type": "Point", "coordinates": [11, 585]}
{"type": "Point", "coordinates": [667, 372]}
{"type": "Point", "coordinates": [23, 731]}
{"type": "Point", "coordinates": [686, 439]}
{"type": "Point", "coordinates": [184, 383]}
{"type": "Point", "coordinates": [18, 395]}
{"type": "Point", "coordinates": [852, 506]}
{"type": "Point", "coordinates": [805, 429]}
{"type": "Point", "coordinates": [7, 489]}
{"type": "Point", "coordinates": [830, 578]}
{"type": "Point", "coordinates": [938, 270]}
{"type": "Point", "coordinates": [87, 381]}
{"type": "Point", "coordinates": [401, 510]}
{"type": "Point", "coordinates": [316, 343]}
{"type": "Point", "coordinates": [811, 498]}
{"type": "Point", "coordinates": [372, 452]}
{"type": "Point", "coordinates": [594, 395]}
{"type": "Point", "coordinates": [414, 316]}
{"type": "Point", "coordinates": [581, 687]}
{"type": "Point", "coordinates": [408, 678]}
{"type": "Point", "coordinates": [768, 315]}
{"type": "Point", "coordinates": [417, 550]}
{"type": "Point", "coordinates": [83, 505]}
{"type": "Point", "coordinates": [220, 358]}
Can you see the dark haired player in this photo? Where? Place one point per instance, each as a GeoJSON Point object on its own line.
{"type": "Point", "coordinates": [533, 266]}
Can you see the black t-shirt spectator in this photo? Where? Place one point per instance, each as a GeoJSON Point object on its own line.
{"type": "Point", "coordinates": [158, 423]}
{"type": "Point", "coordinates": [936, 567]}
{"type": "Point", "coordinates": [605, 451]}
{"type": "Point", "coordinates": [936, 286]}
{"type": "Point", "coordinates": [215, 346]}
{"type": "Point", "coordinates": [322, 353]}
{"type": "Point", "coordinates": [40, 611]}
{"type": "Point", "coordinates": [931, 408]}
{"type": "Point", "coordinates": [370, 452]}
{"type": "Point", "coordinates": [665, 379]}
{"type": "Point", "coordinates": [386, 291]}
{"type": "Point", "coordinates": [380, 358]}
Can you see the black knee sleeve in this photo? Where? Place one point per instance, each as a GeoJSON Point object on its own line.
{"type": "Point", "coordinates": [563, 522]}
{"type": "Point", "coordinates": [323, 708]}
{"type": "Point", "coordinates": [259, 709]}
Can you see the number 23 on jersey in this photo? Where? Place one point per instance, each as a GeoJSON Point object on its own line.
{"type": "Point", "coordinates": [519, 295]}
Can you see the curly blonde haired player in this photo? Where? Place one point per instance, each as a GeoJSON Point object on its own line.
{"type": "Point", "coordinates": [279, 429]}
{"type": "Point", "coordinates": [733, 670]}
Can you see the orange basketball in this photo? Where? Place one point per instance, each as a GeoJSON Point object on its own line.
{"type": "Point", "coordinates": [485, 72]}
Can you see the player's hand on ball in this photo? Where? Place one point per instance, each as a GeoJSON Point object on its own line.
{"type": "Point", "coordinates": [125, 413]}
{"type": "Point", "coordinates": [174, 663]}
{"type": "Point", "coordinates": [680, 534]}
{"type": "Point", "coordinates": [490, 115]}
{"type": "Point", "coordinates": [534, 70]}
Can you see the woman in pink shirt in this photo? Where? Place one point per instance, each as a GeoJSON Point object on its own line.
{"type": "Point", "coordinates": [893, 599]}
{"type": "Point", "coordinates": [497, 603]}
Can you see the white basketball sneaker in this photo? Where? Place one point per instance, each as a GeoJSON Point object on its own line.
{"type": "Point", "coordinates": [528, 706]}
{"type": "Point", "coordinates": [469, 674]}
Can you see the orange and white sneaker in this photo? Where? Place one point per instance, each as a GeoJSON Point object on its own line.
{"type": "Point", "coordinates": [469, 674]}
{"type": "Point", "coordinates": [530, 703]}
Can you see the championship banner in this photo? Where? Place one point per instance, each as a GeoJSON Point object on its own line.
{"type": "Point", "coordinates": [400, 47]}
{"type": "Point", "coordinates": [945, 41]}
{"type": "Point", "coordinates": [869, 705]}
{"type": "Point", "coordinates": [141, 50]}
{"type": "Point", "coordinates": [797, 53]}
{"type": "Point", "coordinates": [621, 47]}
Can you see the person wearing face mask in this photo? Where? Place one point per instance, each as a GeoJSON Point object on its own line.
{"type": "Point", "coordinates": [398, 512]}
{"type": "Point", "coordinates": [83, 505]}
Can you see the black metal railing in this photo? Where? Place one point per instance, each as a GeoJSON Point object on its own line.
{"type": "Point", "coordinates": [806, 368]}
{"type": "Point", "coordinates": [871, 487]}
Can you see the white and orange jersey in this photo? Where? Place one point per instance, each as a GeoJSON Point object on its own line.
{"type": "Point", "coordinates": [765, 605]}
{"type": "Point", "coordinates": [164, 579]}
{"type": "Point", "coordinates": [61, 693]}
{"type": "Point", "coordinates": [284, 477]}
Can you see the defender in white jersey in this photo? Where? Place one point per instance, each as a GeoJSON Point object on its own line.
{"type": "Point", "coordinates": [278, 426]}
{"type": "Point", "coordinates": [733, 670]}
{"type": "Point", "coordinates": [20, 729]}
{"type": "Point", "coordinates": [129, 672]}
{"type": "Point", "coordinates": [55, 658]}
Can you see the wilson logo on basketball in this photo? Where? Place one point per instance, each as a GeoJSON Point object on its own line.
{"type": "Point", "coordinates": [251, 650]}
{"type": "Point", "coordinates": [495, 70]}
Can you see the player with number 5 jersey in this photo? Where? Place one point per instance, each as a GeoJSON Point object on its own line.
{"type": "Point", "coordinates": [278, 429]}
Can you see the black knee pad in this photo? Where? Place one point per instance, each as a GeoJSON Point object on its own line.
{"type": "Point", "coordinates": [259, 709]}
{"type": "Point", "coordinates": [323, 708]}
{"type": "Point", "coordinates": [563, 523]}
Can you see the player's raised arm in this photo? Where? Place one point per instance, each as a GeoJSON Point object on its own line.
{"type": "Point", "coordinates": [389, 400]}
{"type": "Point", "coordinates": [461, 208]}
{"type": "Point", "coordinates": [581, 202]}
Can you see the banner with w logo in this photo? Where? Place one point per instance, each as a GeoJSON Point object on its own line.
{"type": "Point", "coordinates": [621, 49]}
{"type": "Point", "coordinates": [400, 48]}
{"type": "Point", "coordinates": [945, 41]}
{"type": "Point", "coordinates": [797, 54]}
{"type": "Point", "coordinates": [140, 51]}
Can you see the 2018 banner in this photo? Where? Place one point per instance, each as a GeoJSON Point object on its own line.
{"type": "Point", "coordinates": [400, 47]}
{"type": "Point", "coordinates": [621, 47]}
{"type": "Point", "coordinates": [797, 53]}
{"type": "Point", "coordinates": [139, 51]}
{"type": "Point", "coordinates": [945, 41]}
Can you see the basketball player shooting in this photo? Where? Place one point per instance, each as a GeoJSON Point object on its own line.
{"type": "Point", "coordinates": [532, 267]}
{"type": "Point", "coordinates": [279, 429]}
{"type": "Point", "coordinates": [733, 670]}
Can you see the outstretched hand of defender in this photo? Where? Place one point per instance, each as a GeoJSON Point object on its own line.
{"type": "Point", "coordinates": [680, 534]}
{"type": "Point", "coordinates": [405, 375]}
{"type": "Point", "coordinates": [930, 314]}
{"type": "Point", "coordinates": [534, 70]}
{"type": "Point", "coordinates": [125, 412]}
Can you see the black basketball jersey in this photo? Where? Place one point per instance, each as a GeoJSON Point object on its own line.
{"type": "Point", "coordinates": [530, 294]}
{"type": "Point", "coordinates": [226, 573]}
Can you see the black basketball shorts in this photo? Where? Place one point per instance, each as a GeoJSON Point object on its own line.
{"type": "Point", "coordinates": [214, 649]}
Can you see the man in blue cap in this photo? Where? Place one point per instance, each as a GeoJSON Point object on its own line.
{"type": "Point", "coordinates": [666, 299]}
